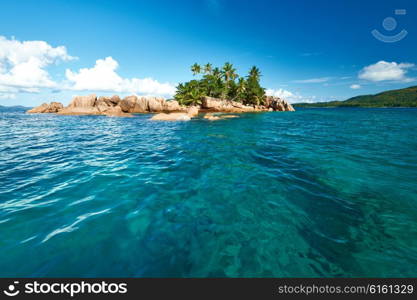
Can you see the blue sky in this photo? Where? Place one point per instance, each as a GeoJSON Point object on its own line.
{"type": "Point", "coordinates": [307, 50]}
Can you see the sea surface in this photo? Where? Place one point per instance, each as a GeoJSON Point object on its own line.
{"type": "Point", "coordinates": [316, 192]}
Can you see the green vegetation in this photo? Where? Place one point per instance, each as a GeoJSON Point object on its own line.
{"type": "Point", "coordinates": [222, 83]}
{"type": "Point", "coordinates": [396, 98]}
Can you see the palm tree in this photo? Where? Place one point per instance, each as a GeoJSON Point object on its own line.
{"type": "Point", "coordinates": [195, 96]}
{"type": "Point", "coordinates": [255, 73]}
{"type": "Point", "coordinates": [217, 73]}
{"type": "Point", "coordinates": [255, 94]}
{"type": "Point", "coordinates": [221, 83]}
{"type": "Point", "coordinates": [241, 84]}
{"type": "Point", "coordinates": [216, 83]}
{"type": "Point", "coordinates": [196, 69]}
{"type": "Point", "coordinates": [240, 89]}
{"type": "Point", "coordinates": [208, 68]}
{"type": "Point", "coordinates": [190, 93]}
{"type": "Point", "coordinates": [229, 72]}
{"type": "Point", "coordinates": [180, 93]}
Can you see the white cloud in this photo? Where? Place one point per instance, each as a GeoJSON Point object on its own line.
{"type": "Point", "coordinates": [355, 86]}
{"type": "Point", "coordinates": [103, 77]}
{"type": "Point", "coordinates": [22, 64]}
{"type": "Point", "coordinates": [281, 93]}
{"type": "Point", "coordinates": [383, 70]}
{"type": "Point", "coordinates": [23, 69]}
{"type": "Point", "coordinates": [313, 80]}
{"type": "Point", "coordinates": [289, 96]}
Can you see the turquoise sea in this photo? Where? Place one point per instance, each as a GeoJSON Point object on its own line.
{"type": "Point", "coordinates": [313, 193]}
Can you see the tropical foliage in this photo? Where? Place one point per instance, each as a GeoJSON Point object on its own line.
{"type": "Point", "coordinates": [396, 98]}
{"type": "Point", "coordinates": [222, 83]}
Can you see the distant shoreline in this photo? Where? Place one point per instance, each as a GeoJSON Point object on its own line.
{"type": "Point", "coordinates": [406, 97]}
{"type": "Point", "coordinates": [349, 107]}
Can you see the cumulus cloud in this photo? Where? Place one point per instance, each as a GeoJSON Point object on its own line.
{"type": "Point", "coordinates": [22, 64]}
{"type": "Point", "coordinates": [281, 93]}
{"type": "Point", "coordinates": [289, 96]}
{"type": "Point", "coordinates": [355, 86]}
{"type": "Point", "coordinates": [103, 77]}
{"type": "Point", "coordinates": [383, 70]}
{"type": "Point", "coordinates": [23, 69]}
{"type": "Point", "coordinates": [313, 80]}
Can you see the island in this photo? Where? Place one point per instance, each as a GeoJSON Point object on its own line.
{"type": "Point", "coordinates": [15, 108]}
{"type": "Point", "coordinates": [406, 97]}
{"type": "Point", "coordinates": [216, 92]}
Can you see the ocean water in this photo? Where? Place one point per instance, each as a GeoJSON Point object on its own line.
{"type": "Point", "coordinates": [317, 192]}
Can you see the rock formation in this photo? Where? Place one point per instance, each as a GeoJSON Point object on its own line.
{"type": "Point", "coordinates": [167, 109]}
{"type": "Point", "coordinates": [215, 117]}
{"type": "Point", "coordinates": [191, 112]}
{"type": "Point", "coordinates": [211, 117]}
{"type": "Point", "coordinates": [83, 105]}
{"type": "Point", "coordinates": [220, 105]}
{"type": "Point", "coordinates": [110, 106]}
{"type": "Point", "coordinates": [171, 117]}
{"type": "Point", "coordinates": [52, 107]}
{"type": "Point", "coordinates": [278, 104]}
{"type": "Point", "coordinates": [134, 104]}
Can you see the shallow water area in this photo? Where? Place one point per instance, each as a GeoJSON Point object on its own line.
{"type": "Point", "coordinates": [316, 192]}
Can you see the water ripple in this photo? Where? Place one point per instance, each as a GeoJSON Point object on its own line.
{"type": "Point", "coordinates": [312, 193]}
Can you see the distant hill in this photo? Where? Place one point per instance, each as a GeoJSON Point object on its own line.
{"type": "Point", "coordinates": [395, 98]}
{"type": "Point", "coordinates": [13, 108]}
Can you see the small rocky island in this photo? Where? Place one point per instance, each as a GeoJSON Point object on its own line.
{"type": "Point", "coordinates": [218, 91]}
